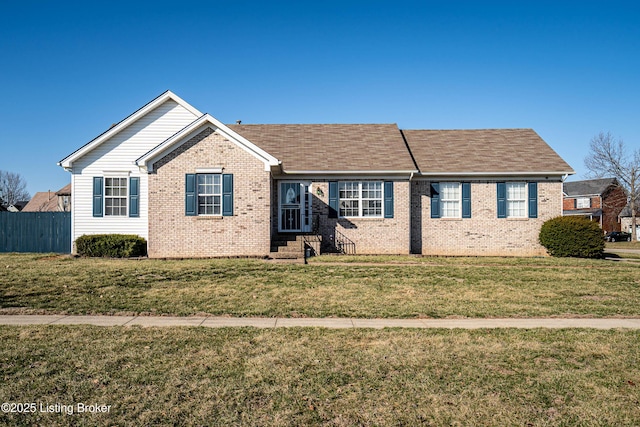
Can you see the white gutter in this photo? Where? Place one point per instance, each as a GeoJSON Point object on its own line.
{"type": "Point", "coordinates": [339, 172]}
{"type": "Point", "coordinates": [487, 174]}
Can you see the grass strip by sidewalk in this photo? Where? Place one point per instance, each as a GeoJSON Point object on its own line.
{"type": "Point", "coordinates": [304, 376]}
{"type": "Point", "coordinates": [416, 287]}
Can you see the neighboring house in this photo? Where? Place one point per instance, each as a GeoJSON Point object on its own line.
{"type": "Point", "coordinates": [15, 207]}
{"type": "Point", "coordinates": [600, 200]}
{"type": "Point", "coordinates": [194, 187]}
{"type": "Point", "coordinates": [625, 221]}
{"type": "Point", "coordinates": [46, 201]}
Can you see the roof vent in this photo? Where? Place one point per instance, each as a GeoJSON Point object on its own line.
{"type": "Point", "coordinates": [238, 122]}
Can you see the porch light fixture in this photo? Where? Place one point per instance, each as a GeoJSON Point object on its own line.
{"type": "Point", "coordinates": [319, 192]}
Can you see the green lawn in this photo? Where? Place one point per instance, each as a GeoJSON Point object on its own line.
{"type": "Point", "coordinates": [369, 287]}
{"type": "Point", "coordinates": [308, 377]}
{"type": "Point", "coordinates": [314, 376]}
{"type": "Point", "coordinates": [623, 245]}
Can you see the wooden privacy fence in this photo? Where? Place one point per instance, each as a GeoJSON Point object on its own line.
{"type": "Point", "coordinates": [35, 232]}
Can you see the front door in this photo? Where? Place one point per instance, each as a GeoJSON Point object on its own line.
{"type": "Point", "coordinates": [294, 210]}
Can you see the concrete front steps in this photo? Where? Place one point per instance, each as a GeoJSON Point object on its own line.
{"type": "Point", "coordinates": [292, 246]}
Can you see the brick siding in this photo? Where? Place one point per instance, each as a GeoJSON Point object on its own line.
{"type": "Point", "coordinates": [614, 201]}
{"type": "Point", "coordinates": [173, 234]}
{"type": "Point", "coordinates": [248, 232]}
{"type": "Point", "coordinates": [369, 235]}
{"type": "Point", "coordinates": [484, 233]}
{"type": "Point", "coordinates": [569, 203]}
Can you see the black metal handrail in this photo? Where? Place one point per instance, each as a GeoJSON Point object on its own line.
{"type": "Point", "coordinates": [344, 245]}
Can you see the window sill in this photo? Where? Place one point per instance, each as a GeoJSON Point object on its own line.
{"type": "Point", "coordinates": [209, 217]}
{"type": "Point", "coordinates": [363, 218]}
{"type": "Point", "coordinates": [451, 219]}
{"type": "Point", "coordinates": [519, 219]}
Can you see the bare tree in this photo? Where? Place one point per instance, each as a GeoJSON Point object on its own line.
{"type": "Point", "coordinates": [13, 188]}
{"type": "Point", "coordinates": [609, 157]}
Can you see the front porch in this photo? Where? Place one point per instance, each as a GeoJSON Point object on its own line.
{"type": "Point", "coordinates": [295, 246]}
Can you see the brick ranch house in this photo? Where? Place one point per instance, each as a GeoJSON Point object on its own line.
{"type": "Point", "coordinates": [194, 187]}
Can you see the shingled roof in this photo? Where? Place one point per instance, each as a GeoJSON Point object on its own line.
{"type": "Point", "coordinates": [332, 147]}
{"type": "Point", "coordinates": [42, 201]}
{"type": "Point", "coordinates": [489, 151]}
{"type": "Point", "coordinates": [588, 187]}
{"type": "Point", "coordinates": [46, 201]}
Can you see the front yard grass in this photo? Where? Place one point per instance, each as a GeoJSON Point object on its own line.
{"type": "Point", "coordinates": [623, 245]}
{"type": "Point", "coordinates": [368, 287]}
{"type": "Point", "coordinates": [305, 376]}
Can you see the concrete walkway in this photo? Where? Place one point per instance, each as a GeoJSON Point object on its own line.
{"type": "Point", "coordinates": [332, 323]}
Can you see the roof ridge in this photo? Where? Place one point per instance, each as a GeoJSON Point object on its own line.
{"type": "Point", "coordinates": [312, 124]}
{"type": "Point", "coordinates": [472, 129]}
{"type": "Point", "coordinates": [593, 179]}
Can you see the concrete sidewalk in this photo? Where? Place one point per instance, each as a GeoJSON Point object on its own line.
{"type": "Point", "coordinates": [332, 323]}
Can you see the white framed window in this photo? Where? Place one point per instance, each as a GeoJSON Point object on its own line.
{"type": "Point", "coordinates": [361, 199]}
{"type": "Point", "coordinates": [371, 199]}
{"type": "Point", "coordinates": [516, 199]}
{"type": "Point", "coordinates": [209, 194]}
{"type": "Point", "coordinates": [583, 203]}
{"type": "Point", "coordinates": [450, 200]}
{"type": "Point", "coordinates": [115, 196]}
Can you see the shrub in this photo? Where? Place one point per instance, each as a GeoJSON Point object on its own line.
{"type": "Point", "coordinates": [570, 236]}
{"type": "Point", "coordinates": [111, 245]}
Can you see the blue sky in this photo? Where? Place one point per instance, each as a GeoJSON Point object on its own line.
{"type": "Point", "coordinates": [70, 69]}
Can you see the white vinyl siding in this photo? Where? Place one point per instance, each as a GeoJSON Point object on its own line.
{"type": "Point", "coordinates": [116, 157]}
{"type": "Point", "coordinates": [516, 199]}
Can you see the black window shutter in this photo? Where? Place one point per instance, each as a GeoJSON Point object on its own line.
{"type": "Point", "coordinates": [466, 200]}
{"type": "Point", "coordinates": [388, 199]}
{"type": "Point", "coordinates": [533, 200]}
{"type": "Point", "coordinates": [435, 200]}
{"type": "Point", "coordinates": [227, 194]}
{"type": "Point", "coordinates": [190, 195]}
{"type": "Point", "coordinates": [134, 197]}
{"type": "Point", "coordinates": [97, 196]}
{"type": "Point", "coordinates": [333, 199]}
{"type": "Point", "coordinates": [502, 199]}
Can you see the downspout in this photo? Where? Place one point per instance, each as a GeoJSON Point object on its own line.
{"type": "Point", "coordinates": [601, 211]}
{"type": "Point", "coordinates": [417, 169]}
{"type": "Point", "coordinates": [564, 178]}
{"type": "Point", "coordinates": [410, 212]}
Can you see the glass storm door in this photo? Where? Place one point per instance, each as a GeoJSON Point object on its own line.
{"type": "Point", "coordinates": [294, 207]}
